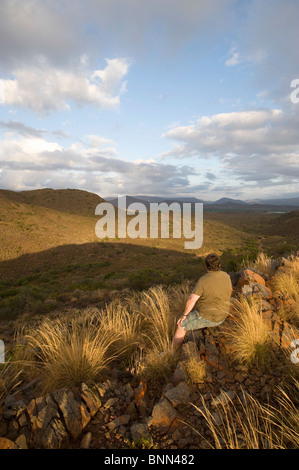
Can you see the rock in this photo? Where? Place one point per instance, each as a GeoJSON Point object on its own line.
{"type": "Point", "coordinates": [212, 352]}
{"type": "Point", "coordinates": [179, 395]}
{"type": "Point", "coordinates": [121, 431]}
{"type": "Point", "coordinates": [217, 418]}
{"type": "Point", "coordinates": [91, 399]}
{"type": "Point", "coordinates": [9, 414]}
{"type": "Point", "coordinates": [261, 290]}
{"type": "Point", "coordinates": [111, 402]}
{"type": "Point", "coordinates": [101, 390]}
{"type": "Point", "coordinates": [41, 411]}
{"type": "Point", "coordinates": [21, 441]}
{"type": "Point", "coordinates": [163, 415]}
{"type": "Point", "coordinates": [188, 350]}
{"type": "Point", "coordinates": [120, 421]}
{"type": "Point", "coordinates": [22, 419]}
{"type": "Point", "coordinates": [223, 398]}
{"type": "Point", "coordinates": [7, 444]}
{"type": "Point", "coordinates": [179, 374]}
{"type": "Point", "coordinates": [139, 431]}
{"type": "Point", "coordinates": [139, 393]}
{"type": "Point", "coordinates": [132, 411]}
{"type": "Point", "coordinates": [75, 414]}
{"type": "Point", "coordinates": [239, 377]}
{"type": "Point", "coordinates": [55, 436]}
{"type": "Point", "coordinates": [13, 430]}
{"type": "Point", "coordinates": [128, 390]}
{"type": "Point", "coordinates": [266, 306]}
{"type": "Point", "coordinates": [3, 428]}
{"type": "Point", "coordinates": [183, 443]}
{"type": "Point", "coordinates": [246, 290]}
{"type": "Point", "coordinates": [248, 276]}
{"type": "Point", "coordinates": [176, 435]}
{"type": "Point", "coordinates": [47, 429]}
{"type": "Point", "coordinates": [86, 440]}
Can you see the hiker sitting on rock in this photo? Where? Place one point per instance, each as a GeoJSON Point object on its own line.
{"type": "Point", "coordinates": [211, 297]}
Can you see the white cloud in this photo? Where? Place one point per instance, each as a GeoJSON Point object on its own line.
{"type": "Point", "coordinates": [234, 59]}
{"type": "Point", "coordinates": [43, 88]}
{"type": "Point", "coordinates": [33, 162]}
{"type": "Point", "coordinates": [252, 146]}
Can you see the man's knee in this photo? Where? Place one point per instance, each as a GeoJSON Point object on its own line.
{"type": "Point", "coordinates": [180, 331]}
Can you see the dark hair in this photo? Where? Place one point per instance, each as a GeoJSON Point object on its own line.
{"type": "Point", "coordinates": [212, 262]}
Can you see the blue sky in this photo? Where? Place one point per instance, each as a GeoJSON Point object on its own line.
{"type": "Point", "coordinates": [165, 97]}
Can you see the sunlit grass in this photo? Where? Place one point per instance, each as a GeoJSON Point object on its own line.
{"type": "Point", "coordinates": [248, 334]}
{"type": "Point", "coordinates": [247, 424]}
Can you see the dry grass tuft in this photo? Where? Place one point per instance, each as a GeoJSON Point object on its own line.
{"type": "Point", "coordinates": [195, 370]}
{"type": "Point", "coordinates": [65, 354]}
{"type": "Point", "coordinates": [247, 424]}
{"type": "Point", "coordinates": [287, 285]}
{"type": "Point", "coordinates": [10, 379]}
{"type": "Point", "coordinates": [247, 334]}
{"type": "Point", "coordinates": [264, 264]}
{"type": "Point", "coordinates": [159, 322]}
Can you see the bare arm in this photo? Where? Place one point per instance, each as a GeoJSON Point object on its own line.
{"type": "Point", "coordinates": [192, 299]}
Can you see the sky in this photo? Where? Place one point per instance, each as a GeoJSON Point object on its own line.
{"type": "Point", "coordinates": [168, 97]}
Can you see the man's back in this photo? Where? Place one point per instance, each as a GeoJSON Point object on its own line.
{"type": "Point", "coordinates": [214, 290]}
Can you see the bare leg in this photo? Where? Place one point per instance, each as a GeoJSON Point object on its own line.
{"type": "Point", "coordinates": [178, 336]}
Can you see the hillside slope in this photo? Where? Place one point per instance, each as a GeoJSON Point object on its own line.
{"type": "Point", "coordinates": [72, 201]}
{"type": "Point", "coordinates": [288, 224]}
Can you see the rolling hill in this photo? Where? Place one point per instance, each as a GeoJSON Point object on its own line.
{"type": "Point", "coordinates": [71, 201]}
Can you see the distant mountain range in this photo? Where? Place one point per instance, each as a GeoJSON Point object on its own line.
{"type": "Point", "coordinates": [84, 202]}
{"type": "Point", "coordinates": [223, 204]}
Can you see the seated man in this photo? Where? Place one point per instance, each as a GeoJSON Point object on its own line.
{"type": "Point", "coordinates": [208, 305]}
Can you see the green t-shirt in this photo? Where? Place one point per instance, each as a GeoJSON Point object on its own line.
{"type": "Point", "coordinates": [214, 290]}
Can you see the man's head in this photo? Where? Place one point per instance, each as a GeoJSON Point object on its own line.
{"type": "Point", "coordinates": [212, 262]}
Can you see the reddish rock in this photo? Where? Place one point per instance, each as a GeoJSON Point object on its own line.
{"type": "Point", "coordinates": [164, 416]}
{"type": "Point", "coordinates": [179, 374]}
{"type": "Point", "coordinates": [7, 444]}
{"type": "Point", "coordinates": [140, 392]}
{"type": "Point", "coordinates": [247, 276]}
{"type": "Point", "coordinates": [239, 377]}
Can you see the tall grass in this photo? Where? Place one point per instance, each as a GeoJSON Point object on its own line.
{"type": "Point", "coordinates": [247, 424]}
{"type": "Point", "coordinates": [78, 348]}
{"type": "Point", "coordinates": [264, 264]}
{"type": "Point", "coordinates": [65, 354]}
{"type": "Point", "coordinates": [287, 285]}
{"type": "Point", "coordinates": [292, 263]}
{"type": "Point", "coordinates": [10, 379]}
{"type": "Point", "coordinates": [124, 322]}
{"type": "Point", "coordinates": [159, 324]}
{"type": "Point", "coordinates": [247, 333]}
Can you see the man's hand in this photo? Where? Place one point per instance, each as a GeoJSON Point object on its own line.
{"type": "Point", "coordinates": [181, 319]}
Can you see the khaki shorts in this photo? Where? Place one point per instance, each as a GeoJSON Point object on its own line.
{"type": "Point", "coordinates": [195, 322]}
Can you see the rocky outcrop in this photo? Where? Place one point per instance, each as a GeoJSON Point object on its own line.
{"type": "Point", "coordinates": [53, 420]}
